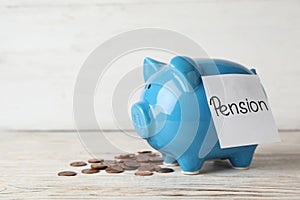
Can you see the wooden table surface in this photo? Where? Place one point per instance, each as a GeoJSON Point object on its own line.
{"type": "Point", "coordinates": [30, 162]}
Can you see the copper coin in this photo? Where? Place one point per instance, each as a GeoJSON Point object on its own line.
{"type": "Point", "coordinates": [98, 166]}
{"type": "Point", "coordinates": [125, 167]}
{"type": "Point", "coordinates": [89, 171]}
{"type": "Point", "coordinates": [125, 156]}
{"type": "Point", "coordinates": [148, 167]}
{"type": "Point", "coordinates": [143, 173]}
{"type": "Point", "coordinates": [142, 158]}
{"type": "Point", "coordinates": [132, 164]}
{"type": "Point", "coordinates": [156, 159]}
{"type": "Point", "coordinates": [154, 154]}
{"type": "Point", "coordinates": [145, 152]}
{"type": "Point", "coordinates": [67, 173]}
{"type": "Point", "coordinates": [95, 160]}
{"type": "Point", "coordinates": [114, 169]}
{"type": "Point", "coordinates": [78, 164]}
{"type": "Point", "coordinates": [164, 170]}
{"type": "Point", "coordinates": [110, 162]}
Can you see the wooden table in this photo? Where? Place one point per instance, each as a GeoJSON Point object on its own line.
{"type": "Point", "coordinates": [30, 162]}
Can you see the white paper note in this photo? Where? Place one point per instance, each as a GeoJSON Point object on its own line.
{"type": "Point", "coordinates": [240, 110]}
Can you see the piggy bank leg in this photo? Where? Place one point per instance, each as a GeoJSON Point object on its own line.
{"type": "Point", "coordinates": [189, 165]}
{"type": "Point", "coordinates": [169, 161]}
{"type": "Point", "coordinates": [242, 160]}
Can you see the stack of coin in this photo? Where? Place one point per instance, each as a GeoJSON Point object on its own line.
{"type": "Point", "coordinates": [145, 162]}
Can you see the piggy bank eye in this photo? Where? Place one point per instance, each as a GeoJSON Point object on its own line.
{"type": "Point", "coordinates": [149, 86]}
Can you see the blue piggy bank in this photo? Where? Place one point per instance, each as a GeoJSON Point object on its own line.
{"type": "Point", "coordinates": [173, 114]}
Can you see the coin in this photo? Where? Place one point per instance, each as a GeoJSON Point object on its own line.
{"type": "Point", "coordinates": [125, 156]}
{"type": "Point", "coordinates": [110, 162]}
{"type": "Point", "coordinates": [142, 158]}
{"type": "Point", "coordinates": [114, 169]}
{"type": "Point", "coordinates": [164, 170]}
{"type": "Point", "coordinates": [147, 167]}
{"type": "Point", "coordinates": [131, 164]}
{"type": "Point", "coordinates": [125, 167]}
{"type": "Point", "coordinates": [144, 161]}
{"type": "Point", "coordinates": [145, 152]}
{"type": "Point", "coordinates": [98, 166]}
{"type": "Point", "coordinates": [78, 164]}
{"type": "Point", "coordinates": [143, 173]}
{"type": "Point", "coordinates": [156, 159]}
{"type": "Point", "coordinates": [67, 173]}
{"type": "Point", "coordinates": [154, 154]}
{"type": "Point", "coordinates": [95, 160]}
{"type": "Point", "coordinates": [89, 171]}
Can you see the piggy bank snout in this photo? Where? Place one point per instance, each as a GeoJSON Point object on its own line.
{"type": "Point", "coordinates": [141, 117]}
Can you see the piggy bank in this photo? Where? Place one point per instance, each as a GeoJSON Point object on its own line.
{"type": "Point", "coordinates": [173, 114]}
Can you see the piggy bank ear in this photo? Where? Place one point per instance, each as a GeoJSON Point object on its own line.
{"type": "Point", "coordinates": [188, 68]}
{"type": "Point", "coordinates": [151, 66]}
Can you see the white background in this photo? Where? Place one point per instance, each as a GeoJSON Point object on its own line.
{"type": "Point", "coordinates": [44, 43]}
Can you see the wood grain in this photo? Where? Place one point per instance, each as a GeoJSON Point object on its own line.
{"type": "Point", "coordinates": [30, 162]}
